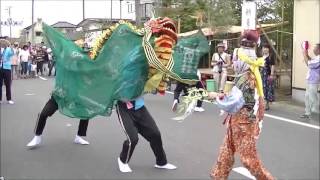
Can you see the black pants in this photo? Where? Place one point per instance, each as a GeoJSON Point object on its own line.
{"type": "Point", "coordinates": [40, 67]}
{"type": "Point", "coordinates": [48, 110]}
{"type": "Point", "coordinates": [5, 76]}
{"type": "Point", "coordinates": [52, 64]}
{"type": "Point", "coordinates": [184, 87]}
{"type": "Point", "coordinates": [139, 121]}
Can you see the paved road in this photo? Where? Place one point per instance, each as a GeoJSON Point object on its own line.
{"type": "Point", "coordinates": [288, 150]}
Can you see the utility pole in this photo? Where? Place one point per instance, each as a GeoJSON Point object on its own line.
{"type": "Point", "coordinates": [83, 10]}
{"type": "Point", "coordinates": [138, 12]}
{"type": "Point", "coordinates": [32, 16]}
{"type": "Point", "coordinates": [10, 20]}
{"type": "Point", "coordinates": [32, 22]}
{"type": "Point", "coordinates": [121, 9]}
{"type": "Point", "coordinates": [111, 11]}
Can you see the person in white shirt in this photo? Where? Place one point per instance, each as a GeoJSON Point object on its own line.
{"type": "Point", "coordinates": [24, 57]}
{"type": "Point", "coordinates": [220, 62]}
{"type": "Point", "coordinates": [15, 61]}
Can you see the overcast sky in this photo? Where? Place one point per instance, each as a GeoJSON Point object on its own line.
{"type": "Point", "coordinates": [52, 11]}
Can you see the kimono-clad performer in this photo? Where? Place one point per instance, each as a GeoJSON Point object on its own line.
{"type": "Point", "coordinates": [245, 108]}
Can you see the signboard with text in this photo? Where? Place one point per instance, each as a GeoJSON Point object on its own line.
{"type": "Point", "coordinates": [249, 13]}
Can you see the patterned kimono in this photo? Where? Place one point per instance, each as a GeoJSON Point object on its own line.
{"type": "Point", "coordinates": [242, 132]}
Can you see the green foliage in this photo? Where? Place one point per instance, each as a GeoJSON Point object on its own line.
{"type": "Point", "coordinates": [217, 13]}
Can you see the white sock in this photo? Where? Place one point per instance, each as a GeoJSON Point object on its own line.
{"type": "Point", "coordinates": [80, 140]}
{"type": "Point", "coordinates": [35, 141]}
{"type": "Point", "coordinates": [166, 166]}
{"type": "Point", "coordinates": [123, 167]}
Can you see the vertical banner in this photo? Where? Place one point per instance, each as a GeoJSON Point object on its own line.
{"type": "Point", "coordinates": [249, 13]}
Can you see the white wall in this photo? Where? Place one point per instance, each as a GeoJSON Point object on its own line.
{"type": "Point", "coordinates": [306, 22]}
{"type": "Point", "coordinates": [305, 27]}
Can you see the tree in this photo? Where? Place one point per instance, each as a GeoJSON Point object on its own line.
{"type": "Point", "coordinates": [210, 13]}
{"type": "Point", "coordinates": [223, 13]}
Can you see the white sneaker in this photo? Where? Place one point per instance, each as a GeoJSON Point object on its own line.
{"type": "Point", "coordinates": [125, 168]}
{"type": "Point", "coordinates": [34, 142]}
{"type": "Point", "coordinates": [174, 105]}
{"type": "Point", "coordinates": [166, 166]}
{"type": "Point", "coordinates": [80, 140]}
{"type": "Point", "coordinates": [10, 102]}
{"type": "Point", "coordinates": [198, 109]}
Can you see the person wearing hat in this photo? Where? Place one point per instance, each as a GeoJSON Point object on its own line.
{"type": "Point", "coordinates": [245, 108]}
{"type": "Point", "coordinates": [220, 62]}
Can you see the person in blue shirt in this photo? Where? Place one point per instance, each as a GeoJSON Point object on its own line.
{"type": "Point", "coordinates": [5, 72]}
{"type": "Point", "coordinates": [135, 119]}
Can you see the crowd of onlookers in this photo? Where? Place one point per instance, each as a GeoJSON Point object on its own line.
{"type": "Point", "coordinates": [222, 63]}
{"type": "Point", "coordinates": [23, 61]}
{"type": "Point", "coordinates": [29, 61]}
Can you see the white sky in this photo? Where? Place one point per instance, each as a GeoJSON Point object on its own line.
{"type": "Point", "coordinates": [52, 11]}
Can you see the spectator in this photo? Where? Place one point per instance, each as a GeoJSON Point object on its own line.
{"type": "Point", "coordinates": [5, 72]}
{"type": "Point", "coordinates": [33, 69]}
{"type": "Point", "coordinates": [45, 61]}
{"type": "Point", "coordinates": [220, 62]}
{"type": "Point", "coordinates": [313, 82]}
{"type": "Point", "coordinates": [32, 51]}
{"type": "Point", "coordinates": [51, 62]}
{"type": "Point", "coordinates": [24, 58]}
{"type": "Point", "coordinates": [268, 76]}
{"type": "Point", "coordinates": [15, 61]}
{"type": "Point", "coordinates": [30, 47]}
{"type": "Point", "coordinates": [40, 55]}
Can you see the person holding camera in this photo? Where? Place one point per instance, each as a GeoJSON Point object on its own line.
{"type": "Point", "coordinates": [313, 81]}
{"type": "Point", "coordinates": [220, 62]}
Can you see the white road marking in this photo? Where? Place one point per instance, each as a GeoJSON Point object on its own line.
{"type": "Point", "coordinates": [292, 121]}
{"type": "Point", "coordinates": [43, 78]}
{"type": "Point", "coordinates": [244, 171]}
{"type": "Point", "coordinates": [68, 125]}
{"type": "Point", "coordinates": [277, 117]}
{"type": "Point", "coordinates": [29, 94]}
